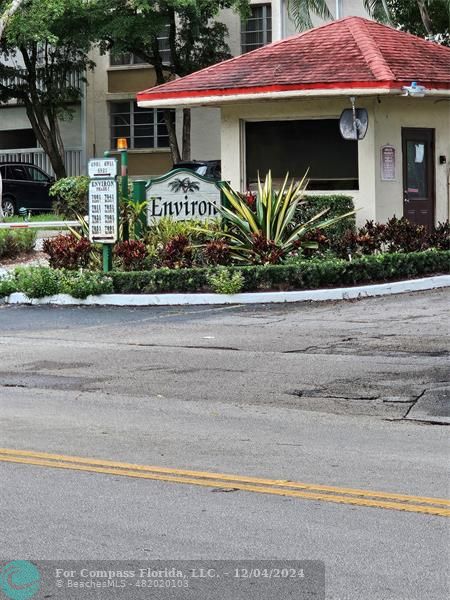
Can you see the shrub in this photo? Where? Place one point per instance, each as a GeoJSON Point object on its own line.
{"type": "Point", "coordinates": [70, 196]}
{"type": "Point", "coordinates": [269, 230]}
{"type": "Point", "coordinates": [401, 235]}
{"type": "Point", "coordinates": [224, 281]}
{"type": "Point", "coordinates": [162, 231]}
{"type": "Point", "coordinates": [440, 236]}
{"type": "Point", "coordinates": [7, 286]}
{"type": "Point", "coordinates": [304, 274]}
{"type": "Point", "coordinates": [15, 242]}
{"type": "Point", "coordinates": [84, 283]}
{"type": "Point", "coordinates": [397, 235]}
{"type": "Point", "coordinates": [131, 254]}
{"type": "Point", "coordinates": [337, 205]}
{"type": "Point", "coordinates": [367, 240]}
{"type": "Point", "coordinates": [217, 252]}
{"type": "Point", "coordinates": [68, 251]}
{"type": "Point", "coordinates": [177, 252]}
{"type": "Point", "coordinates": [37, 282]}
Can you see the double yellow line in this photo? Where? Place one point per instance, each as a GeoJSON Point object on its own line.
{"type": "Point", "coordinates": [277, 487]}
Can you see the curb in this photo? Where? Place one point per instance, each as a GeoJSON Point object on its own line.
{"type": "Point", "coordinates": [347, 293]}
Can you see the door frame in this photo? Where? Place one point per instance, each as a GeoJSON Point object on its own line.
{"type": "Point", "coordinates": [431, 164]}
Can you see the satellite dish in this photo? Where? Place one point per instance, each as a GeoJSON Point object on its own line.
{"type": "Point", "coordinates": [353, 123]}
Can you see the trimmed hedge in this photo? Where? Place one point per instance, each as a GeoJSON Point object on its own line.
{"type": "Point", "coordinates": [338, 205]}
{"type": "Point", "coordinates": [307, 274]}
{"type": "Point", "coordinates": [38, 282]}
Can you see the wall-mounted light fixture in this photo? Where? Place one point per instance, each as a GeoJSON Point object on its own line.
{"type": "Point", "coordinates": [415, 89]}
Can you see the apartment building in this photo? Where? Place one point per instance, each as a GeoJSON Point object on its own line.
{"type": "Point", "coordinates": [108, 109]}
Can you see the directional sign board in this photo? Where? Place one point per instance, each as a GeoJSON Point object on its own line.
{"type": "Point", "coordinates": [103, 211]}
{"type": "Point", "coordinates": [102, 167]}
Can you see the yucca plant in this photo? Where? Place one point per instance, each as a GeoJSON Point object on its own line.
{"type": "Point", "coordinates": [267, 231]}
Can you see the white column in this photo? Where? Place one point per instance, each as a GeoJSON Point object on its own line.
{"type": "Point", "coordinates": [232, 153]}
{"type": "Point", "coordinates": [365, 201]}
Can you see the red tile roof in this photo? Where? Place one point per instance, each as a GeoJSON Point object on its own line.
{"type": "Point", "coordinates": [344, 54]}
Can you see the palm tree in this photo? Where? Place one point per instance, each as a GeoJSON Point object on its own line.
{"type": "Point", "coordinates": [381, 10]}
{"type": "Point", "coordinates": [384, 10]}
{"type": "Point", "coordinates": [301, 11]}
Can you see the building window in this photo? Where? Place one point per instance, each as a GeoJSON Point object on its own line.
{"type": "Point", "coordinates": [142, 127]}
{"type": "Point", "coordinates": [256, 31]}
{"type": "Point", "coordinates": [125, 59]}
{"type": "Point", "coordinates": [164, 46]}
{"type": "Point", "coordinates": [17, 138]}
{"type": "Point", "coordinates": [296, 147]}
{"type": "Point", "coordinates": [128, 58]}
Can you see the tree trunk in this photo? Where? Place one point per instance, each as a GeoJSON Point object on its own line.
{"type": "Point", "coordinates": [8, 13]}
{"type": "Point", "coordinates": [44, 122]}
{"type": "Point", "coordinates": [425, 17]}
{"type": "Point", "coordinates": [186, 134]}
{"type": "Point", "coordinates": [49, 138]}
{"type": "Point", "coordinates": [168, 115]}
{"type": "Point", "coordinates": [169, 119]}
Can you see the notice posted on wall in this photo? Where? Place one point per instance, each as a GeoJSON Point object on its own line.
{"type": "Point", "coordinates": [103, 211]}
{"type": "Point", "coordinates": [388, 163]}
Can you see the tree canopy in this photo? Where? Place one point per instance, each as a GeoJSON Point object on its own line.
{"type": "Point", "coordinates": [44, 51]}
{"type": "Point", "coordinates": [425, 18]}
{"type": "Point", "coordinates": [177, 37]}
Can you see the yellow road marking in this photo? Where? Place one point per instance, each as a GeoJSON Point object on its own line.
{"type": "Point", "coordinates": [340, 495]}
{"type": "Point", "coordinates": [225, 477]}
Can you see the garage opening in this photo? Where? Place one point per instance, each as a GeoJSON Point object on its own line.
{"type": "Point", "coordinates": [296, 146]}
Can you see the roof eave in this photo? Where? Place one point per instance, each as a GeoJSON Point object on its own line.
{"type": "Point", "coordinates": [186, 101]}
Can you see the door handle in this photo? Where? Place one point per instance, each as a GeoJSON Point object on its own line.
{"type": "Point", "coordinates": [405, 196]}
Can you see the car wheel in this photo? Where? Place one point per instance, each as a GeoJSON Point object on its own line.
{"type": "Point", "coordinates": [8, 207]}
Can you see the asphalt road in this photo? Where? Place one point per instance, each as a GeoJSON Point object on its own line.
{"type": "Point", "coordinates": [350, 395]}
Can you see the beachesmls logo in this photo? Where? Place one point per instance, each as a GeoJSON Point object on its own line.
{"type": "Point", "coordinates": [19, 580]}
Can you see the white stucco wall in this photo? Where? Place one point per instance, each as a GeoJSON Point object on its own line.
{"type": "Point", "coordinates": [391, 114]}
{"type": "Point", "coordinates": [374, 199]}
{"type": "Point", "coordinates": [233, 142]}
{"type": "Point", "coordinates": [205, 134]}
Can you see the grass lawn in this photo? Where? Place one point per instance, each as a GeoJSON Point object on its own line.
{"type": "Point", "coordinates": [35, 218]}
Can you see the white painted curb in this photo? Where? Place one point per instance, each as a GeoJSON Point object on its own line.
{"type": "Point", "coordinates": [347, 293]}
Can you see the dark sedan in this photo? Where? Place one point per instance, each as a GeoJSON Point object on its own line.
{"type": "Point", "coordinates": [25, 185]}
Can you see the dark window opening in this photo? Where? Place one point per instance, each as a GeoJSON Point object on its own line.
{"type": "Point", "coordinates": [17, 138]}
{"type": "Point", "coordinates": [295, 147]}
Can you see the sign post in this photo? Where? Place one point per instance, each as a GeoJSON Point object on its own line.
{"type": "Point", "coordinates": [103, 206]}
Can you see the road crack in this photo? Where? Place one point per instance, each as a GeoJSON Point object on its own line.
{"type": "Point", "coordinates": [413, 403]}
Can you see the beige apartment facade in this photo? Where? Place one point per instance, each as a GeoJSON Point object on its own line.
{"type": "Point", "coordinates": [112, 88]}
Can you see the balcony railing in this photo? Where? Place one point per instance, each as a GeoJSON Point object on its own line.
{"type": "Point", "coordinates": [36, 156]}
{"type": "Point", "coordinates": [73, 80]}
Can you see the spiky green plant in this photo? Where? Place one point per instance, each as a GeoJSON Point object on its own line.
{"type": "Point", "coordinates": [267, 232]}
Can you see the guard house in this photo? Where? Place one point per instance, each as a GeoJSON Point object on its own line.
{"type": "Point", "coordinates": [280, 108]}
